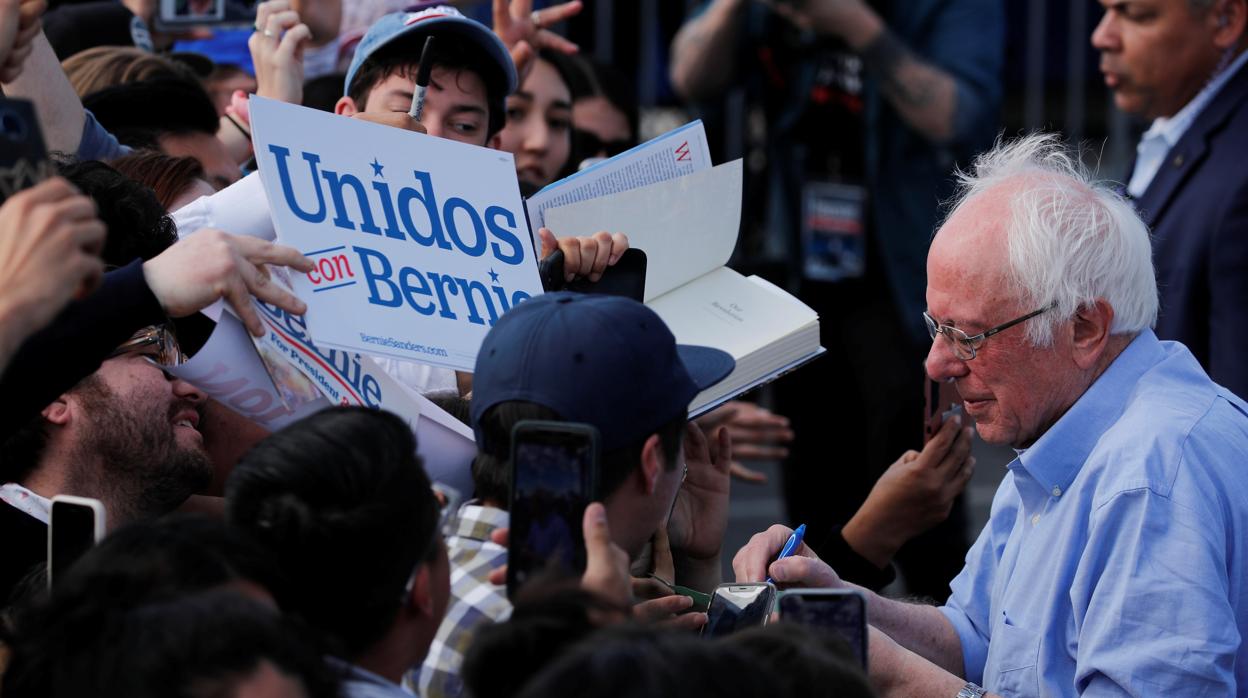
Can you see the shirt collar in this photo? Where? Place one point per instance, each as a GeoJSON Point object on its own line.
{"type": "Point", "coordinates": [1055, 458]}
{"type": "Point", "coordinates": [26, 501]}
{"type": "Point", "coordinates": [478, 522]}
{"type": "Point", "coordinates": [1171, 129]}
{"type": "Point", "coordinates": [357, 674]}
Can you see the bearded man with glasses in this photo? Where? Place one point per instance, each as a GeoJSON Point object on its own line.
{"type": "Point", "coordinates": [1112, 564]}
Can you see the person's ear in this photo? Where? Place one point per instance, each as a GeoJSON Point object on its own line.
{"type": "Point", "coordinates": [59, 412]}
{"type": "Point", "coordinates": [1229, 18]}
{"type": "Point", "coordinates": [1090, 332]}
{"type": "Point", "coordinates": [421, 597]}
{"type": "Point", "coordinates": [651, 463]}
{"type": "Point", "coordinates": [345, 106]}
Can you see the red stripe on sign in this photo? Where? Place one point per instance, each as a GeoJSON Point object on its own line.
{"type": "Point", "coordinates": [315, 357]}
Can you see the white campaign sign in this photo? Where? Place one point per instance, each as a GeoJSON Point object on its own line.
{"type": "Point", "coordinates": [420, 243]}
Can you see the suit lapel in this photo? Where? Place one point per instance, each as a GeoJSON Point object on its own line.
{"type": "Point", "coordinates": [1192, 148]}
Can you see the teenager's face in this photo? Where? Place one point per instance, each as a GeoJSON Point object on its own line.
{"type": "Point", "coordinates": [456, 103]}
{"type": "Point", "coordinates": [539, 125]}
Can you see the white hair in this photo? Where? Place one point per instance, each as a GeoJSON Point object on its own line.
{"type": "Point", "coordinates": [1071, 240]}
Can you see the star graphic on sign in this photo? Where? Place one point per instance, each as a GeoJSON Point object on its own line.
{"type": "Point", "coordinates": [377, 166]}
{"type": "Point", "coordinates": [493, 276]}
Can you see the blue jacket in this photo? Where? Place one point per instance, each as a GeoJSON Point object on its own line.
{"type": "Point", "coordinates": [1197, 208]}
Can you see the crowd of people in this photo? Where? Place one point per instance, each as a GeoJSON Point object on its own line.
{"type": "Point", "coordinates": [1095, 328]}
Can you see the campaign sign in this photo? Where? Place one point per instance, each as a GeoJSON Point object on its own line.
{"type": "Point", "coordinates": [420, 243]}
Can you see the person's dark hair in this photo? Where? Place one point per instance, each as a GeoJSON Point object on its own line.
{"type": "Point", "coordinates": [491, 469]}
{"type": "Point", "coordinates": [456, 406]}
{"type": "Point", "coordinates": [199, 646]}
{"type": "Point", "coordinates": [402, 57]}
{"type": "Point", "coordinates": [138, 226]}
{"type": "Point", "coordinates": [804, 661]}
{"type": "Point", "coordinates": [593, 78]}
{"type": "Point", "coordinates": [342, 503]}
{"type": "Point", "coordinates": [323, 92]}
{"type": "Point", "coordinates": [638, 662]}
{"type": "Point", "coordinates": [138, 113]}
{"type": "Point", "coordinates": [549, 617]}
{"type": "Point", "coordinates": [167, 176]}
{"type": "Point", "coordinates": [142, 563]}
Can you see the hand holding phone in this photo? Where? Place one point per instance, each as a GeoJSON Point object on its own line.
{"type": "Point", "coordinates": [842, 611]}
{"type": "Point", "coordinates": [941, 401]}
{"type": "Point", "coordinates": [554, 469]}
{"type": "Point", "coordinates": [75, 526]}
{"type": "Point", "coordinates": [738, 606]}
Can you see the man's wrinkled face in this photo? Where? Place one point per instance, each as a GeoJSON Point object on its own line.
{"type": "Point", "coordinates": [142, 423]}
{"type": "Point", "coordinates": [1155, 54]}
{"type": "Point", "coordinates": [1015, 391]}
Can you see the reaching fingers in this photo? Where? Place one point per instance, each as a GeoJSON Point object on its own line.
{"type": "Point", "coordinates": [685, 621]}
{"type": "Point", "coordinates": [752, 451]}
{"type": "Point", "coordinates": [619, 245]}
{"type": "Point", "coordinates": [602, 255]}
{"type": "Point", "coordinates": [571, 257]}
{"type": "Point", "coordinates": [589, 256]}
{"type": "Point", "coordinates": [294, 40]}
{"type": "Point", "coordinates": [549, 243]}
{"type": "Point", "coordinates": [750, 563]}
{"type": "Point", "coordinates": [558, 13]}
{"type": "Point", "coordinates": [238, 296]}
{"type": "Point", "coordinates": [260, 286]}
{"type": "Point", "coordinates": [523, 55]}
{"type": "Point", "coordinates": [662, 608]}
{"type": "Point", "coordinates": [745, 474]}
{"type": "Point", "coordinates": [498, 575]}
{"type": "Point", "coordinates": [500, 536]}
{"type": "Point", "coordinates": [959, 451]}
{"type": "Point", "coordinates": [259, 251]}
{"type": "Point", "coordinates": [549, 40]}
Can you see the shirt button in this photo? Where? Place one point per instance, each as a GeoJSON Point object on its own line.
{"type": "Point", "coordinates": [1057, 491]}
{"type": "Point", "coordinates": [1035, 520]}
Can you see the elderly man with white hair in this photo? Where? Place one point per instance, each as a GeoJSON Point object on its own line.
{"type": "Point", "coordinates": [1116, 556]}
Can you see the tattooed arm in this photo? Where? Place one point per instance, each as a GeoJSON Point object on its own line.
{"type": "Point", "coordinates": [705, 49]}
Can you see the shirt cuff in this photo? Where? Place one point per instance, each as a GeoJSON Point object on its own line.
{"type": "Point", "coordinates": [974, 648]}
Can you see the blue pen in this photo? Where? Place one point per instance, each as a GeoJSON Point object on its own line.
{"type": "Point", "coordinates": [790, 546]}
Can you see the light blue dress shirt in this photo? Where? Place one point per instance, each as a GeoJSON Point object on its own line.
{"type": "Point", "coordinates": [1115, 559]}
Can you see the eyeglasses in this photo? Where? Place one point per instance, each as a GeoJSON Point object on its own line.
{"type": "Point", "coordinates": [964, 345]}
{"type": "Point", "coordinates": [157, 342]}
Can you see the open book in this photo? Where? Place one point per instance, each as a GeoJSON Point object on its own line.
{"type": "Point", "coordinates": [688, 228]}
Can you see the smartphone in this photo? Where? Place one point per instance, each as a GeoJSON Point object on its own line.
{"type": "Point", "coordinates": [738, 606]}
{"type": "Point", "coordinates": [76, 524]}
{"type": "Point", "coordinates": [941, 398]}
{"type": "Point", "coordinates": [627, 277]}
{"type": "Point", "coordinates": [23, 157]}
{"type": "Point", "coordinates": [554, 469]}
{"type": "Point", "coordinates": [841, 611]}
{"type": "Point", "coordinates": [173, 15]}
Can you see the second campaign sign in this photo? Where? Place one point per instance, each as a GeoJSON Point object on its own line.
{"type": "Point", "coordinates": [420, 243]}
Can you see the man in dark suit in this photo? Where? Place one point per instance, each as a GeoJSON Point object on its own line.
{"type": "Point", "coordinates": [1179, 63]}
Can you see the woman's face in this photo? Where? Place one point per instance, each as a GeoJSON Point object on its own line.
{"type": "Point", "coordinates": [598, 117]}
{"type": "Point", "coordinates": [539, 125]}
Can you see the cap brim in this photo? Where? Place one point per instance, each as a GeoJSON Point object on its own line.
{"type": "Point", "coordinates": [705, 365]}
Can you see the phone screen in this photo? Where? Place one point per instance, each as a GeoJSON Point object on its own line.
{"type": "Point", "coordinates": [738, 606]}
{"type": "Point", "coordinates": [552, 483]}
{"type": "Point", "coordinates": [842, 612]}
{"type": "Point", "coordinates": [23, 158]}
{"type": "Point", "coordinates": [72, 532]}
{"type": "Point", "coordinates": [182, 14]}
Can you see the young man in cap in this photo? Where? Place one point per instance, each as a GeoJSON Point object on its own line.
{"type": "Point", "coordinates": [609, 362]}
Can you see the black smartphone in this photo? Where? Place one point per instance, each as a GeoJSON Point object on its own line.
{"type": "Point", "coordinates": [174, 15]}
{"type": "Point", "coordinates": [76, 524]}
{"type": "Point", "coordinates": [738, 606]}
{"type": "Point", "coordinates": [627, 277]}
{"type": "Point", "coordinates": [553, 478]}
{"type": "Point", "coordinates": [941, 398]}
{"type": "Point", "coordinates": [23, 156]}
{"type": "Point", "coordinates": [841, 611]}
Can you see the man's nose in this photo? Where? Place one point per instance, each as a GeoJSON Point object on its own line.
{"type": "Point", "coordinates": [189, 392]}
{"type": "Point", "coordinates": [941, 363]}
{"type": "Point", "coordinates": [1105, 37]}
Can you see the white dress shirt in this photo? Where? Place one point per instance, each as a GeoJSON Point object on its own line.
{"type": "Point", "coordinates": [1157, 141]}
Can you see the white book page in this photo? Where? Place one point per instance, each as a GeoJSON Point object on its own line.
{"type": "Point", "coordinates": [674, 154]}
{"type": "Point", "coordinates": [730, 312]}
{"type": "Point", "coordinates": [687, 227]}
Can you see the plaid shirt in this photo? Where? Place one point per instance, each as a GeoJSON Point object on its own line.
{"type": "Point", "coordinates": [474, 601]}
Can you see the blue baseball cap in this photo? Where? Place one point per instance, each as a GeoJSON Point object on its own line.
{"type": "Point", "coordinates": [438, 20]}
{"type": "Point", "coordinates": [603, 360]}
